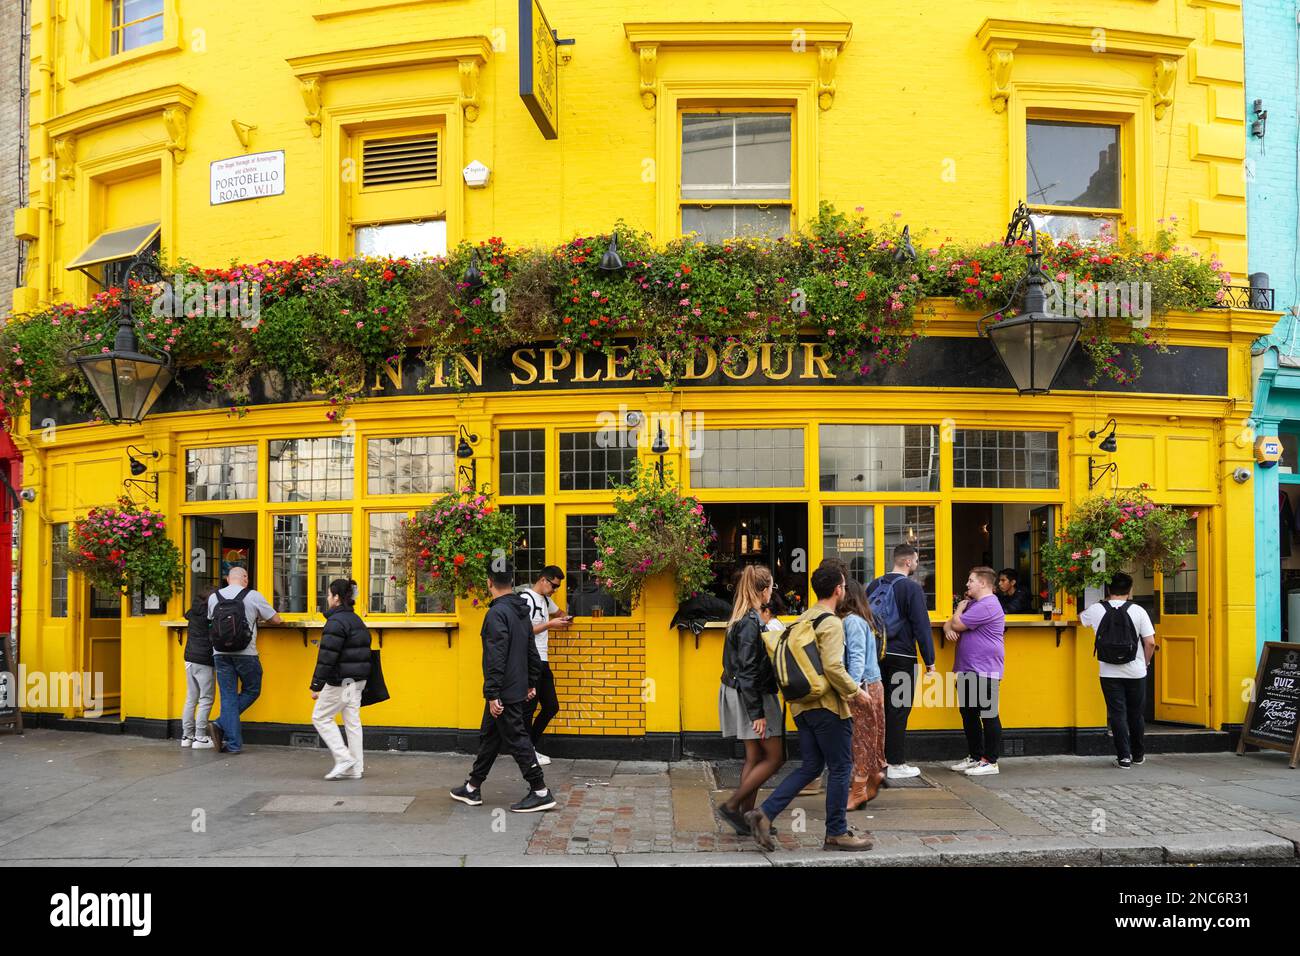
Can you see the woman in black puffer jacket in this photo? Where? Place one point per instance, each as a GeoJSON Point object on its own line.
{"type": "Point", "coordinates": [342, 668]}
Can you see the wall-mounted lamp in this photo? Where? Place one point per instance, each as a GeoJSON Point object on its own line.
{"type": "Point", "coordinates": [611, 261]}
{"type": "Point", "coordinates": [905, 252]}
{"type": "Point", "coordinates": [1261, 120]}
{"type": "Point", "coordinates": [465, 451]}
{"type": "Point", "coordinates": [1108, 444]}
{"type": "Point", "coordinates": [148, 485]}
{"type": "Point", "coordinates": [1097, 473]}
{"type": "Point", "coordinates": [660, 448]}
{"type": "Point", "coordinates": [473, 275]}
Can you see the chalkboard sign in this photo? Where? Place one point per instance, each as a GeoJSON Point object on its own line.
{"type": "Point", "coordinates": [1271, 717]}
{"type": "Point", "coordinates": [10, 715]}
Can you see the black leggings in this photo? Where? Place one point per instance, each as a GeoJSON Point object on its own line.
{"type": "Point", "coordinates": [546, 699]}
{"type": "Point", "coordinates": [977, 700]}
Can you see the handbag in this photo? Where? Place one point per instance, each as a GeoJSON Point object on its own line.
{"type": "Point", "coordinates": [375, 691]}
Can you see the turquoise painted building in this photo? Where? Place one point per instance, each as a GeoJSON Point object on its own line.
{"type": "Point", "coordinates": [1273, 207]}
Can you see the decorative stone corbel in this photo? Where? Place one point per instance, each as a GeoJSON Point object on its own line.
{"type": "Point", "coordinates": [469, 88]}
{"type": "Point", "coordinates": [244, 132]}
{"type": "Point", "coordinates": [1166, 70]}
{"type": "Point", "coordinates": [1000, 62]}
{"type": "Point", "coordinates": [311, 96]}
{"type": "Point", "coordinates": [65, 160]}
{"type": "Point", "coordinates": [649, 68]}
{"type": "Point", "coordinates": [827, 60]}
{"type": "Point", "coordinates": [176, 120]}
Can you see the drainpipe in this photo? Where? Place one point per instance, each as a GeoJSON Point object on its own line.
{"type": "Point", "coordinates": [45, 202]}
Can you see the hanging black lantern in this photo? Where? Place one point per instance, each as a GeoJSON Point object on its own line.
{"type": "Point", "coordinates": [1034, 345]}
{"type": "Point", "coordinates": [126, 381]}
{"type": "Point", "coordinates": [473, 275]}
{"type": "Point", "coordinates": [905, 252]}
{"type": "Point", "coordinates": [611, 261]}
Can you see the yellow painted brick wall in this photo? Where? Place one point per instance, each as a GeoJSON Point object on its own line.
{"type": "Point", "coordinates": [599, 669]}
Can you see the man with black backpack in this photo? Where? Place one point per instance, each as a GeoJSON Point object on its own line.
{"type": "Point", "coordinates": [234, 611]}
{"type": "Point", "coordinates": [899, 606]}
{"type": "Point", "coordinates": [1124, 646]}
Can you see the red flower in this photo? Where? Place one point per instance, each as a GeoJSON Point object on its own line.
{"type": "Point", "coordinates": [389, 275]}
{"type": "Point", "coordinates": [458, 560]}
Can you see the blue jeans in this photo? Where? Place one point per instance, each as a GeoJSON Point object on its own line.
{"type": "Point", "coordinates": [246, 669]}
{"type": "Point", "coordinates": [824, 740]}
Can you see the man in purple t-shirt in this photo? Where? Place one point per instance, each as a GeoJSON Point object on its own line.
{"type": "Point", "coordinates": [977, 626]}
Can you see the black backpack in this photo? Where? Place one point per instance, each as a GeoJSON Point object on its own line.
{"type": "Point", "coordinates": [230, 629]}
{"type": "Point", "coordinates": [1117, 636]}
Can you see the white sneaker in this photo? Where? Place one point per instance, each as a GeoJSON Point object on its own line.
{"type": "Point", "coordinates": [351, 775]}
{"type": "Point", "coordinates": [902, 771]}
{"type": "Point", "coordinates": [187, 741]}
{"type": "Point", "coordinates": [202, 743]}
{"type": "Point", "coordinates": [542, 759]}
{"type": "Point", "coordinates": [340, 769]}
{"type": "Point", "coordinates": [982, 769]}
{"type": "Point", "coordinates": [966, 764]}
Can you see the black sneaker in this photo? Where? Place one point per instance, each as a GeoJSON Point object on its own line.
{"type": "Point", "coordinates": [218, 736]}
{"type": "Point", "coordinates": [1139, 761]}
{"type": "Point", "coordinates": [464, 794]}
{"type": "Point", "coordinates": [1123, 763]}
{"type": "Point", "coordinates": [534, 802]}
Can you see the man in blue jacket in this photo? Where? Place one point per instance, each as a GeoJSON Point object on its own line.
{"type": "Point", "coordinates": [511, 667]}
{"type": "Point", "coordinates": [908, 630]}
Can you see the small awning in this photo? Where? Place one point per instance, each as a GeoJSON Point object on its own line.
{"type": "Point", "coordinates": [117, 244]}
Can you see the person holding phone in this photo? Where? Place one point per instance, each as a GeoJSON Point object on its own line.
{"type": "Point", "coordinates": [544, 614]}
{"type": "Point", "coordinates": [748, 706]}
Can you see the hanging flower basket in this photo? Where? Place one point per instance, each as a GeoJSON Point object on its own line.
{"type": "Point", "coordinates": [449, 546]}
{"type": "Point", "coordinates": [1106, 534]}
{"type": "Point", "coordinates": [126, 546]}
{"type": "Point", "coordinates": [654, 528]}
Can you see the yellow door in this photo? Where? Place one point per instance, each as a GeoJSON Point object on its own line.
{"type": "Point", "coordinates": [102, 653]}
{"type": "Point", "coordinates": [1182, 636]}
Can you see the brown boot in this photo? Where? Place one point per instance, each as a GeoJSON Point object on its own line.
{"type": "Point", "coordinates": [761, 829]}
{"type": "Point", "coordinates": [848, 841]}
{"type": "Point", "coordinates": [873, 785]}
{"type": "Point", "coordinates": [858, 794]}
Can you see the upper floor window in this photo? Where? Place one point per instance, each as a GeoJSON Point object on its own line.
{"type": "Point", "coordinates": [1073, 177]}
{"type": "Point", "coordinates": [588, 465]}
{"type": "Point", "coordinates": [135, 23]}
{"type": "Point", "coordinates": [396, 202]}
{"type": "Point", "coordinates": [735, 178]}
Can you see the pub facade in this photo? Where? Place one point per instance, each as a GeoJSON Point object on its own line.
{"type": "Point", "coordinates": [367, 127]}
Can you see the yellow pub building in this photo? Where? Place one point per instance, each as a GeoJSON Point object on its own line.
{"type": "Point", "coordinates": [220, 135]}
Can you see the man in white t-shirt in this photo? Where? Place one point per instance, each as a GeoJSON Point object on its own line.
{"type": "Point", "coordinates": [545, 614]}
{"type": "Point", "coordinates": [1124, 685]}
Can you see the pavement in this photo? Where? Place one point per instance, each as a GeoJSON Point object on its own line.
{"type": "Point", "coordinates": [81, 799]}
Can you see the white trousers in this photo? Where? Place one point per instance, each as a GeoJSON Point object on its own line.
{"type": "Point", "coordinates": [345, 700]}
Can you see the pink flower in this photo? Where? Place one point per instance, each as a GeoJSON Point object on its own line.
{"type": "Point", "coordinates": [1117, 535]}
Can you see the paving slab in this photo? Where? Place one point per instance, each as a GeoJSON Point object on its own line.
{"type": "Point", "coordinates": [1021, 851]}
{"type": "Point", "coordinates": [324, 803]}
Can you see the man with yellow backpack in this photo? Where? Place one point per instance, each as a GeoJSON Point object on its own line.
{"type": "Point", "coordinates": [808, 658]}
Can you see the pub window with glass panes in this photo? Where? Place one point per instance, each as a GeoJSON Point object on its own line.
{"type": "Point", "coordinates": [987, 458]}
{"type": "Point", "coordinates": [749, 458]}
{"type": "Point", "coordinates": [879, 457]}
{"type": "Point", "coordinates": [522, 454]}
{"type": "Point", "coordinates": [59, 570]}
{"type": "Point", "coordinates": [735, 178]}
{"type": "Point", "coordinates": [914, 525]}
{"type": "Point", "coordinates": [311, 469]}
{"type": "Point", "coordinates": [420, 465]}
{"type": "Point", "coordinates": [224, 473]}
{"type": "Point", "coordinates": [588, 462]}
{"type": "Point", "coordinates": [529, 554]}
{"type": "Point", "coordinates": [584, 591]}
{"type": "Point", "coordinates": [1073, 177]}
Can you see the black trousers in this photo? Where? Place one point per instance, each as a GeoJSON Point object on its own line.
{"type": "Point", "coordinates": [508, 733]}
{"type": "Point", "coordinates": [977, 701]}
{"type": "Point", "coordinates": [900, 675]}
{"type": "Point", "coordinates": [1124, 699]}
{"type": "Point", "coordinates": [547, 700]}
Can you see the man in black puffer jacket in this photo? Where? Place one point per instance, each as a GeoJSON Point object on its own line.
{"type": "Point", "coordinates": [342, 668]}
{"type": "Point", "coordinates": [511, 667]}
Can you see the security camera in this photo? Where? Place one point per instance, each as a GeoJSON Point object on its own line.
{"type": "Point", "coordinates": [1241, 475]}
{"type": "Point", "coordinates": [27, 494]}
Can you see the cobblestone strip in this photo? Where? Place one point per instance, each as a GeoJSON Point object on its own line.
{"type": "Point", "coordinates": [1132, 810]}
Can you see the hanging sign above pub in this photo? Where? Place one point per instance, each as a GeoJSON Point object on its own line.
{"type": "Point", "coordinates": [253, 176]}
{"type": "Point", "coordinates": [539, 76]}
